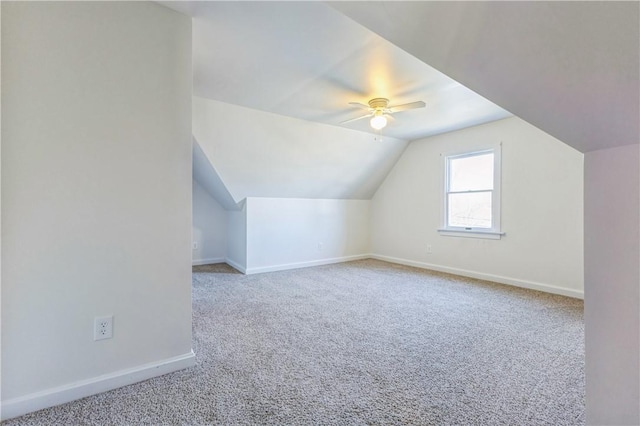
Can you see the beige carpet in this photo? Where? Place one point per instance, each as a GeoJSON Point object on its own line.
{"type": "Point", "coordinates": [358, 343]}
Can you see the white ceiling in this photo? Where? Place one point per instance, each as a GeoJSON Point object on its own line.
{"type": "Point", "coordinates": [254, 153]}
{"type": "Point", "coordinates": [266, 73]}
{"type": "Point", "coordinates": [570, 68]}
{"type": "Point", "coordinates": [307, 60]}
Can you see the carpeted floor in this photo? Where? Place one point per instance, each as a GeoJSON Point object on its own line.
{"type": "Point", "coordinates": [357, 343]}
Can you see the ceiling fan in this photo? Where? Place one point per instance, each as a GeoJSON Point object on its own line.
{"type": "Point", "coordinates": [379, 110]}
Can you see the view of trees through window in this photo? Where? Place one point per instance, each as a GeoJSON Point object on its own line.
{"type": "Point", "coordinates": [470, 190]}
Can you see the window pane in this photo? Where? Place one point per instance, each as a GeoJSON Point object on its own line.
{"type": "Point", "coordinates": [471, 173]}
{"type": "Point", "coordinates": [470, 210]}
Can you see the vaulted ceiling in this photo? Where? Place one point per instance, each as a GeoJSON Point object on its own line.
{"type": "Point", "coordinates": [260, 154]}
{"type": "Point", "coordinates": [307, 60]}
{"type": "Point", "coordinates": [570, 68]}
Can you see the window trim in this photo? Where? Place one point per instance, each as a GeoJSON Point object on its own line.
{"type": "Point", "coordinates": [495, 231]}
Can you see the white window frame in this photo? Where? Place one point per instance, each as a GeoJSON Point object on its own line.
{"type": "Point", "coordinates": [495, 232]}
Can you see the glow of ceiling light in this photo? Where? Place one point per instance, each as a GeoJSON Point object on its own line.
{"type": "Point", "coordinates": [378, 121]}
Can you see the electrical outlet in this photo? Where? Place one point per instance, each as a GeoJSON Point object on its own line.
{"type": "Point", "coordinates": [195, 245]}
{"type": "Point", "coordinates": [320, 245]}
{"type": "Point", "coordinates": [103, 328]}
{"type": "Point", "coordinates": [429, 249]}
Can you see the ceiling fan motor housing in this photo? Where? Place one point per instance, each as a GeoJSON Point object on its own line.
{"type": "Point", "coordinates": [379, 103]}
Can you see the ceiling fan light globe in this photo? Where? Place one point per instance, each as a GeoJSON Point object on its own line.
{"type": "Point", "coordinates": [378, 122]}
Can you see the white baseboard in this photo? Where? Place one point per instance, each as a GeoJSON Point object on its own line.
{"type": "Point", "coordinates": [235, 265]}
{"type": "Point", "coordinates": [286, 266]}
{"type": "Point", "coordinates": [487, 277]}
{"type": "Point", "coordinates": [208, 261]}
{"type": "Point", "coordinates": [48, 398]}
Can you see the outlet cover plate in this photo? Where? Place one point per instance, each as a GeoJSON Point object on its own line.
{"type": "Point", "coordinates": [103, 327]}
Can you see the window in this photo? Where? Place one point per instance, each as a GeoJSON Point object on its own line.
{"type": "Point", "coordinates": [471, 198]}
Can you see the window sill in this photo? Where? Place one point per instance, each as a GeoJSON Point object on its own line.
{"type": "Point", "coordinates": [489, 235]}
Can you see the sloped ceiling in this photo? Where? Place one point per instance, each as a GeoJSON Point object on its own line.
{"type": "Point", "coordinates": [569, 68]}
{"type": "Point", "coordinates": [260, 154]}
{"type": "Point", "coordinates": [272, 83]}
{"type": "Point", "coordinates": [308, 61]}
{"type": "Point", "coordinates": [205, 174]}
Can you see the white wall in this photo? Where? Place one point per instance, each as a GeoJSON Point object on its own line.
{"type": "Point", "coordinates": [96, 195]}
{"type": "Point", "coordinates": [237, 238]}
{"type": "Point", "coordinates": [209, 229]}
{"type": "Point", "coordinates": [542, 211]}
{"type": "Point", "coordinates": [612, 285]}
{"type": "Point", "coordinates": [289, 233]}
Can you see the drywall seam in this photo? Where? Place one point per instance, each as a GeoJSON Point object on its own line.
{"type": "Point", "coordinates": [59, 395]}
{"type": "Point", "coordinates": [286, 266]}
{"type": "Point", "coordinates": [483, 276]}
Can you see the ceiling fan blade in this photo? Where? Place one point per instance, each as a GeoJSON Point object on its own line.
{"type": "Point", "coordinates": [404, 107]}
{"type": "Point", "coordinates": [359, 105]}
{"type": "Point", "coordinates": [355, 119]}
